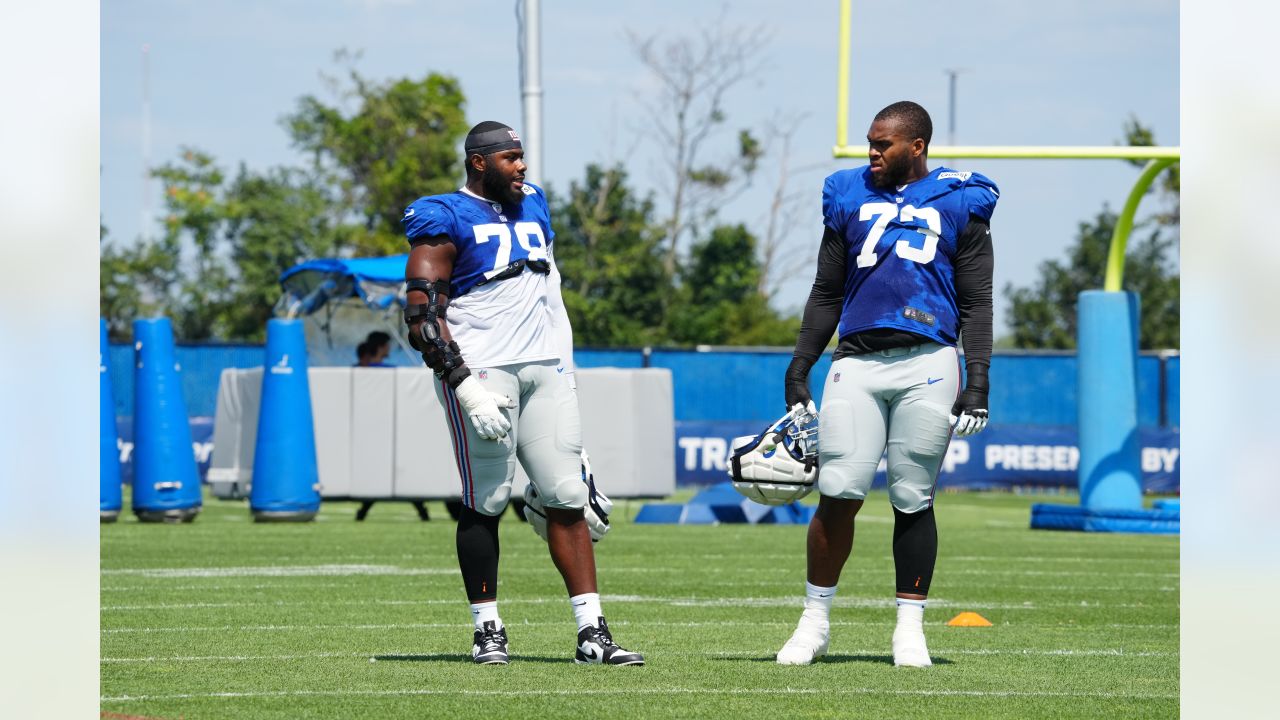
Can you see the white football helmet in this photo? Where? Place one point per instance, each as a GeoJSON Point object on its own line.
{"type": "Point", "coordinates": [780, 465]}
{"type": "Point", "coordinates": [596, 510]}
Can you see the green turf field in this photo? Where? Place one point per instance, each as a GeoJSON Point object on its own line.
{"type": "Point", "coordinates": [225, 618]}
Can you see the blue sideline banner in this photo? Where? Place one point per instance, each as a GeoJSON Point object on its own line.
{"type": "Point", "coordinates": [201, 445]}
{"type": "Point", "coordinates": [1000, 456]}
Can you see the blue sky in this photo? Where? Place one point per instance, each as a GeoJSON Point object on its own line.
{"type": "Point", "coordinates": [224, 73]}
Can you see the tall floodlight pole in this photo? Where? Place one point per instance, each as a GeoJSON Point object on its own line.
{"type": "Point", "coordinates": [531, 91]}
{"type": "Point", "coordinates": [146, 142]}
{"type": "Point", "coordinates": [951, 105]}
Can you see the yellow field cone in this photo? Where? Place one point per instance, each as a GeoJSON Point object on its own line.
{"type": "Point", "coordinates": [969, 619]}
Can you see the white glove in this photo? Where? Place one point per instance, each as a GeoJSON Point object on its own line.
{"type": "Point", "coordinates": [799, 410]}
{"type": "Point", "coordinates": [969, 422]}
{"type": "Point", "coordinates": [969, 414]}
{"type": "Point", "coordinates": [811, 408]}
{"type": "Point", "coordinates": [482, 406]}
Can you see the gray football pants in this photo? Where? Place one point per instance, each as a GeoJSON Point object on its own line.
{"type": "Point", "coordinates": [900, 399]}
{"type": "Point", "coordinates": [546, 437]}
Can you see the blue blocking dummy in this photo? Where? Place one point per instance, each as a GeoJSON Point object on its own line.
{"type": "Point", "coordinates": [285, 483]}
{"type": "Point", "coordinates": [109, 497]}
{"type": "Point", "coordinates": [166, 484]}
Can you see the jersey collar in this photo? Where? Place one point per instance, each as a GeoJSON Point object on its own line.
{"type": "Point", "coordinates": [493, 205]}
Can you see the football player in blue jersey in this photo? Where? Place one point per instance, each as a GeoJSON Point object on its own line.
{"type": "Point", "coordinates": [904, 273]}
{"type": "Point", "coordinates": [482, 310]}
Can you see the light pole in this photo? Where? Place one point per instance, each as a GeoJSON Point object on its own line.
{"type": "Point", "coordinates": [951, 103]}
{"type": "Point", "coordinates": [531, 88]}
{"type": "Point", "coordinates": [146, 141]}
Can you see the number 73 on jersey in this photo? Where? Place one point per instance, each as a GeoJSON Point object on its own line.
{"type": "Point", "coordinates": [883, 212]}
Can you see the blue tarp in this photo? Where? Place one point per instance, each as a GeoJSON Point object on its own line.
{"type": "Point", "coordinates": [344, 299]}
{"type": "Point", "coordinates": [377, 281]}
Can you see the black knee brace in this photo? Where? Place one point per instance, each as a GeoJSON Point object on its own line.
{"type": "Point", "coordinates": [915, 550]}
{"type": "Point", "coordinates": [478, 554]}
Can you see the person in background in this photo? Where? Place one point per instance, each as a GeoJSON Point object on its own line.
{"type": "Point", "coordinates": [374, 350]}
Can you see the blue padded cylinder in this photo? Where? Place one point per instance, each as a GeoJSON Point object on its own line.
{"type": "Point", "coordinates": [166, 484]}
{"type": "Point", "coordinates": [285, 482]}
{"type": "Point", "coordinates": [1110, 468]}
{"type": "Point", "coordinates": [110, 497]}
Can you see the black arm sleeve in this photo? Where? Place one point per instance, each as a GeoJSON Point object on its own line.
{"type": "Point", "coordinates": [974, 264]}
{"type": "Point", "coordinates": [822, 311]}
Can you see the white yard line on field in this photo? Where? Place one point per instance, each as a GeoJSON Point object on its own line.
{"type": "Point", "coordinates": [344, 570]}
{"type": "Point", "coordinates": [277, 571]}
{"type": "Point", "coordinates": [937, 652]}
{"type": "Point", "coordinates": [789, 601]}
{"type": "Point", "coordinates": [582, 692]}
{"type": "Point", "coordinates": [619, 623]}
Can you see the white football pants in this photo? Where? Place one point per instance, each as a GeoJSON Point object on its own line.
{"type": "Point", "coordinates": [546, 437]}
{"type": "Point", "coordinates": [899, 399]}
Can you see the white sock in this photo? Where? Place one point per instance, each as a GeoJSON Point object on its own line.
{"type": "Point", "coordinates": [817, 600]}
{"type": "Point", "coordinates": [485, 612]}
{"type": "Point", "coordinates": [586, 609]}
{"type": "Point", "coordinates": [911, 614]}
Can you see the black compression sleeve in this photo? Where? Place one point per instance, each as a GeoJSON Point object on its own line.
{"type": "Point", "coordinates": [478, 550]}
{"type": "Point", "coordinates": [822, 311]}
{"type": "Point", "coordinates": [974, 264]}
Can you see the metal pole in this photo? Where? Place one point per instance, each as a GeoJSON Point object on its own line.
{"type": "Point", "coordinates": [531, 92]}
{"type": "Point", "coordinates": [951, 107]}
{"type": "Point", "coordinates": [146, 142]}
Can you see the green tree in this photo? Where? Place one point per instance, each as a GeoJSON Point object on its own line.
{"type": "Point", "coordinates": [693, 74]}
{"type": "Point", "coordinates": [719, 298]}
{"type": "Point", "coordinates": [609, 253]}
{"type": "Point", "coordinates": [274, 221]}
{"type": "Point", "coordinates": [215, 269]}
{"type": "Point", "coordinates": [1043, 315]}
{"type": "Point", "coordinates": [195, 292]}
{"type": "Point", "coordinates": [131, 282]}
{"type": "Point", "coordinates": [400, 142]}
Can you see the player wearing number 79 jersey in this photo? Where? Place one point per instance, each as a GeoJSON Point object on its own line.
{"type": "Point", "coordinates": [904, 268]}
{"type": "Point", "coordinates": [482, 284]}
{"type": "Point", "coordinates": [498, 288]}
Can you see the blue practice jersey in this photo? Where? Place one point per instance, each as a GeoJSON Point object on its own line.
{"type": "Point", "coordinates": [489, 237]}
{"type": "Point", "coordinates": [899, 247]}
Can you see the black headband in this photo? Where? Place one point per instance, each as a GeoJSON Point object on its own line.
{"type": "Point", "coordinates": [492, 141]}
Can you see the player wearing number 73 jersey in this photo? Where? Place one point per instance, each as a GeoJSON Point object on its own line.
{"type": "Point", "coordinates": [904, 267]}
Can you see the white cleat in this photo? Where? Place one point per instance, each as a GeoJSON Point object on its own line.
{"type": "Point", "coordinates": [909, 649]}
{"type": "Point", "coordinates": [808, 643]}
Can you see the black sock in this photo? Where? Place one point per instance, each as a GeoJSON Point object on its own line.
{"type": "Point", "coordinates": [478, 554]}
{"type": "Point", "coordinates": [915, 550]}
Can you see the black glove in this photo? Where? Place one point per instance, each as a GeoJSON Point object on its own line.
{"type": "Point", "coordinates": [797, 383]}
{"type": "Point", "coordinates": [969, 415]}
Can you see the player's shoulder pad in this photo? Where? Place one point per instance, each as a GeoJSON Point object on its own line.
{"type": "Point", "coordinates": [845, 179]}
{"type": "Point", "coordinates": [427, 216]}
{"type": "Point", "coordinates": [980, 195]}
{"type": "Point", "coordinates": [538, 196]}
{"type": "Point", "coordinates": [836, 190]}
